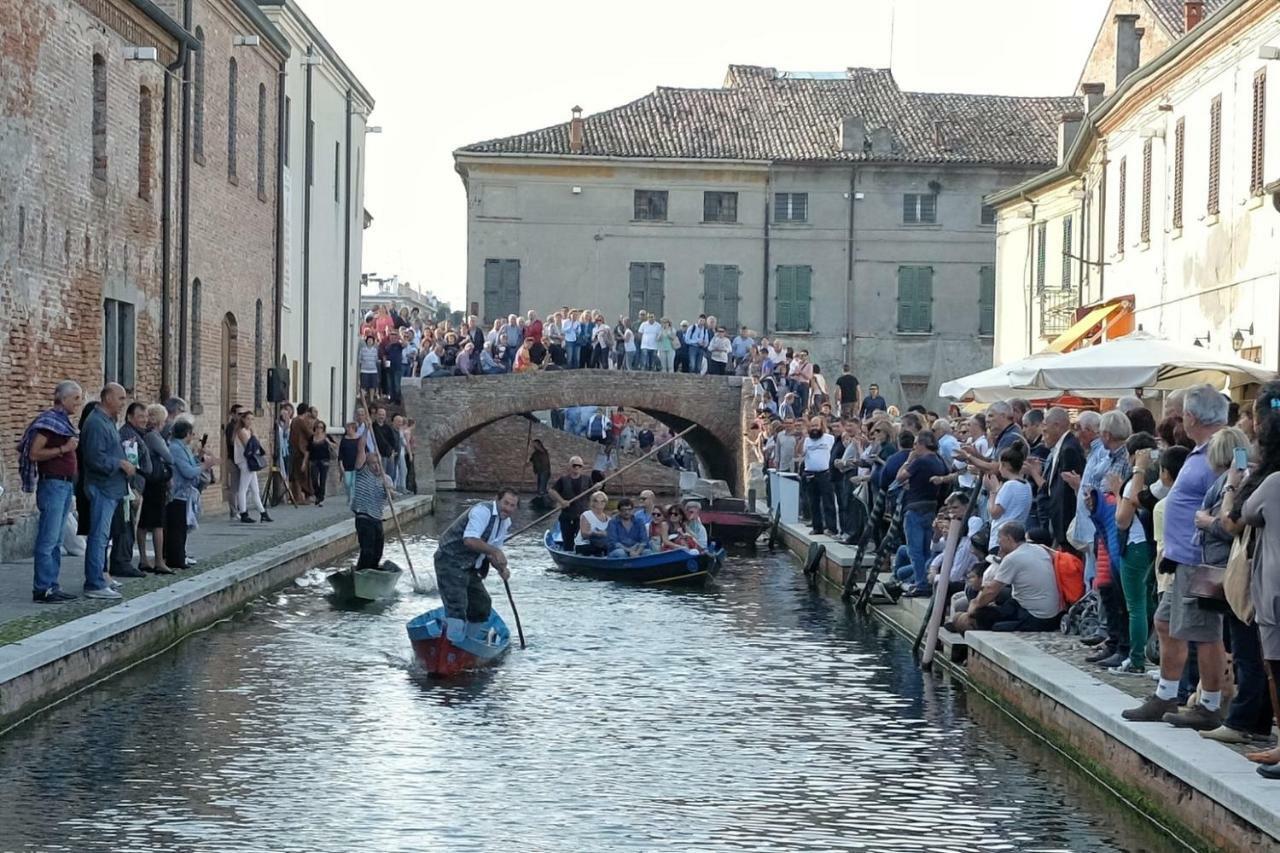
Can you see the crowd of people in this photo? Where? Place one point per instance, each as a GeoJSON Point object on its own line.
{"type": "Point", "coordinates": [637, 527]}
{"type": "Point", "coordinates": [1169, 527]}
{"type": "Point", "coordinates": [120, 472]}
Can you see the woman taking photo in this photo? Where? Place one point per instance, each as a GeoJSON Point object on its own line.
{"type": "Point", "coordinates": [249, 460]}
{"type": "Point", "coordinates": [667, 346]}
{"type": "Point", "coordinates": [184, 493]}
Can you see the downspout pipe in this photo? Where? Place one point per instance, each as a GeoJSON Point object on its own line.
{"type": "Point", "coordinates": [306, 240]}
{"type": "Point", "coordinates": [277, 312]}
{"type": "Point", "coordinates": [166, 221]}
{"type": "Point", "coordinates": [346, 271]}
{"type": "Point", "coordinates": [184, 215]}
{"type": "Point", "coordinates": [764, 313]}
{"type": "Point", "coordinates": [1102, 229]}
{"type": "Point", "coordinates": [849, 275]}
{"type": "Point", "coordinates": [1031, 273]}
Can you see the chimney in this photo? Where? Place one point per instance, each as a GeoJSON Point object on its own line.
{"type": "Point", "coordinates": [1128, 46]}
{"type": "Point", "coordinates": [575, 131]}
{"type": "Point", "coordinates": [1092, 95]}
{"type": "Point", "coordinates": [1068, 128]}
{"type": "Point", "coordinates": [1192, 14]}
{"type": "Point", "coordinates": [852, 135]}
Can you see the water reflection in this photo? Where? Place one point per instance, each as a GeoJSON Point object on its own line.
{"type": "Point", "coordinates": [753, 715]}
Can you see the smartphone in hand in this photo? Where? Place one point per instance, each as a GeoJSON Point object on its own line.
{"type": "Point", "coordinates": [1241, 459]}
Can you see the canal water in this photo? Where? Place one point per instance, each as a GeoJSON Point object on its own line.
{"type": "Point", "coordinates": [754, 715]}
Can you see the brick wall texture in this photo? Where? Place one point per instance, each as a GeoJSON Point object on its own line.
{"type": "Point", "coordinates": [69, 240]}
{"type": "Point", "coordinates": [497, 456]}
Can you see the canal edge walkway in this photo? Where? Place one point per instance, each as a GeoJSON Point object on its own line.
{"type": "Point", "coordinates": [38, 670]}
{"type": "Point", "coordinates": [1187, 782]}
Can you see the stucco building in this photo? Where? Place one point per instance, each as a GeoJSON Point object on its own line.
{"type": "Point", "coordinates": [1165, 208]}
{"type": "Point", "coordinates": [326, 111]}
{"type": "Point", "coordinates": [835, 211]}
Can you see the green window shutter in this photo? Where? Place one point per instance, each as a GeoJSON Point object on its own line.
{"type": "Point", "coordinates": [987, 301]}
{"type": "Point", "coordinates": [924, 302]}
{"type": "Point", "coordinates": [786, 295]}
{"type": "Point", "coordinates": [711, 289]}
{"type": "Point", "coordinates": [639, 279]}
{"type": "Point", "coordinates": [906, 299]}
{"type": "Point", "coordinates": [729, 297]}
{"type": "Point", "coordinates": [657, 288]}
{"type": "Point", "coordinates": [800, 307]}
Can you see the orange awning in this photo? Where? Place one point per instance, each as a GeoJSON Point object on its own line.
{"type": "Point", "coordinates": [1106, 318]}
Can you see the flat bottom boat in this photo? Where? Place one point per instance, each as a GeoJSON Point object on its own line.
{"type": "Point", "coordinates": [666, 567]}
{"type": "Point", "coordinates": [441, 656]}
{"type": "Point", "coordinates": [356, 585]}
{"type": "Point", "coordinates": [734, 527]}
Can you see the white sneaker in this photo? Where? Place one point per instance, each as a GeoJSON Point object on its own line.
{"type": "Point", "coordinates": [115, 584]}
{"type": "Point", "coordinates": [107, 594]}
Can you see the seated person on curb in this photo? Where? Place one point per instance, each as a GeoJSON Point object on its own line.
{"type": "Point", "coordinates": [627, 536]}
{"type": "Point", "coordinates": [1025, 572]}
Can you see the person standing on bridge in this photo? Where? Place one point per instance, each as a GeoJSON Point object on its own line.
{"type": "Point", "coordinates": [569, 493]}
{"type": "Point", "coordinates": [470, 545]}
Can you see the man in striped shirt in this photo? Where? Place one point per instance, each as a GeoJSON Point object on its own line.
{"type": "Point", "coordinates": [368, 498]}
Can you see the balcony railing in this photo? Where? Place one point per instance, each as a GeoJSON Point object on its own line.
{"type": "Point", "coordinates": [1057, 310]}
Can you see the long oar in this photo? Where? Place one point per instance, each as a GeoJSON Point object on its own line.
{"type": "Point", "coordinates": [417, 587]}
{"type": "Point", "coordinates": [514, 612]}
{"type": "Point", "coordinates": [540, 519]}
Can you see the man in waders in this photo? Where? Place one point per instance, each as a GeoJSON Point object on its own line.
{"type": "Point", "coordinates": [471, 544]}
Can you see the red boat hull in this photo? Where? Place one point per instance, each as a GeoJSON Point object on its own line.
{"type": "Point", "coordinates": [440, 658]}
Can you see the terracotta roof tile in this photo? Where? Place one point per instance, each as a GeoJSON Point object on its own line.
{"type": "Point", "coordinates": [760, 114]}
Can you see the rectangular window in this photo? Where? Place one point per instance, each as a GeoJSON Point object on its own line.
{"type": "Point", "coordinates": [1042, 253]}
{"type": "Point", "coordinates": [1124, 168]}
{"type": "Point", "coordinates": [262, 142]}
{"type": "Point", "coordinates": [233, 111]}
{"type": "Point", "coordinates": [99, 117]}
{"type": "Point", "coordinates": [651, 205]}
{"type": "Point", "coordinates": [1258, 149]}
{"type": "Point", "coordinates": [1215, 156]}
{"type": "Point", "coordinates": [117, 342]}
{"type": "Point", "coordinates": [915, 299]}
{"type": "Point", "coordinates": [646, 287]}
{"type": "Point", "coordinates": [1179, 157]}
{"type": "Point", "coordinates": [1068, 226]}
{"type": "Point", "coordinates": [988, 215]}
{"type": "Point", "coordinates": [720, 294]}
{"type": "Point", "coordinates": [791, 207]}
{"type": "Point", "coordinates": [794, 289]}
{"type": "Point", "coordinates": [987, 301]}
{"type": "Point", "coordinates": [1145, 228]}
{"type": "Point", "coordinates": [919, 208]}
{"type": "Point", "coordinates": [719, 207]}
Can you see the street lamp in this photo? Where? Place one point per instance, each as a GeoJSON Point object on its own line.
{"type": "Point", "coordinates": [1200, 342]}
{"type": "Point", "coordinates": [1237, 339]}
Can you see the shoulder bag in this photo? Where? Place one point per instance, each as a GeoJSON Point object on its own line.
{"type": "Point", "coordinates": [1237, 577]}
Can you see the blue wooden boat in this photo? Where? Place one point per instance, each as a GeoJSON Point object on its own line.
{"type": "Point", "coordinates": [442, 656]}
{"type": "Point", "coordinates": [666, 567]}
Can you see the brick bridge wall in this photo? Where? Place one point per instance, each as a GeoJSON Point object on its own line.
{"type": "Point", "coordinates": [449, 410]}
{"type": "Point", "coordinates": [498, 456]}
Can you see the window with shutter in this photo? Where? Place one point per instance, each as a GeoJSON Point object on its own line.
{"type": "Point", "coordinates": [1179, 157]}
{"type": "Point", "coordinates": [1042, 251]}
{"type": "Point", "coordinates": [919, 209]}
{"type": "Point", "coordinates": [651, 205]}
{"type": "Point", "coordinates": [1120, 193]}
{"type": "Point", "coordinates": [720, 294]}
{"type": "Point", "coordinates": [1215, 156]}
{"type": "Point", "coordinates": [915, 299]}
{"type": "Point", "coordinates": [1067, 250]}
{"type": "Point", "coordinates": [646, 289]}
{"type": "Point", "coordinates": [719, 207]}
{"type": "Point", "coordinates": [1258, 150]}
{"type": "Point", "coordinates": [987, 215]}
{"type": "Point", "coordinates": [987, 300]}
{"type": "Point", "coordinates": [793, 284]}
{"type": "Point", "coordinates": [501, 288]}
{"type": "Point", "coordinates": [791, 207]}
{"type": "Point", "coordinates": [1145, 228]}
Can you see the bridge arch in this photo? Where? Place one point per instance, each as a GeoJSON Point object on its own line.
{"type": "Point", "coordinates": [450, 409]}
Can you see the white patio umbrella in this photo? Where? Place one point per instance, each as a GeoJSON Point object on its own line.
{"type": "Point", "coordinates": [992, 384]}
{"type": "Point", "coordinates": [1138, 360]}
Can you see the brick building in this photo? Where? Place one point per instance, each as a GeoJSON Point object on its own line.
{"type": "Point", "coordinates": [81, 201]}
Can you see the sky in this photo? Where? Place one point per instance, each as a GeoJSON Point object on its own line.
{"type": "Point", "coordinates": [444, 75]}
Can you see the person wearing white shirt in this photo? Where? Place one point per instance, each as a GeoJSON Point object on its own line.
{"type": "Point", "coordinates": [468, 547]}
{"type": "Point", "coordinates": [649, 331]}
{"type": "Point", "coordinates": [817, 477]}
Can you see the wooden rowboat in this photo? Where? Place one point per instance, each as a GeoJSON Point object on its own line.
{"type": "Point", "coordinates": [441, 656]}
{"type": "Point", "coordinates": [353, 586]}
{"type": "Point", "coordinates": [666, 567]}
{"type": "Point", "coordinates": [734, 527]}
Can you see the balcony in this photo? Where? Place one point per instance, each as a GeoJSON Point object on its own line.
{"type": "Point", "coordinates": [1057, 310]}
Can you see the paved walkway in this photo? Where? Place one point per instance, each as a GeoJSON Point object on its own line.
{"type": "Point", "coordinates": [215, 542]}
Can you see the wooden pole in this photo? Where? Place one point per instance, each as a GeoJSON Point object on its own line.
{"type": "Point", "coordinates": [417, 587]}
{"type": "Point", "coordinates": [540, 519]}
{"type": "Point", "coordinates": [511, 600]}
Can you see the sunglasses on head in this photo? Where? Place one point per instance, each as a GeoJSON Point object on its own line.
{"type": "Point", "coordinates": [576, 465]}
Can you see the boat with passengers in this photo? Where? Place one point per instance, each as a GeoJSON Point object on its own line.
{"type": "Point", "coordinates": [682, 566]}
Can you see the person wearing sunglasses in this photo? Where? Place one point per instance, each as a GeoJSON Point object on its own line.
{"type": "Point", "coordinates": [570, 495]}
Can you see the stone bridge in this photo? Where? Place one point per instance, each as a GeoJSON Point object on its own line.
{"type": "Point", "coordinates": [451, 408]}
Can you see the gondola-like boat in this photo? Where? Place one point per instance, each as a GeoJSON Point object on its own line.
{"type": "Point", "coordinates": [353, 586]}
{"type": "Point", "coordinates": [664, 568]}
{"type": "Point", "coordinates": [734, 527]}
{"type": "Point", "coordinates": [441, 656]}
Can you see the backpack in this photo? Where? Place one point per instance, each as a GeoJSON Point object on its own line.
{"type": "Point", "coordinates": [1068, 569]}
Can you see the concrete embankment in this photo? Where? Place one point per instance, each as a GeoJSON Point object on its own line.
{"type": "Point", "coordinates": [1206, 793]}
{"type": "Point", "coordinates": [39, 669]}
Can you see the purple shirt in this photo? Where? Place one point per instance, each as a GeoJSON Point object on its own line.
{"type": "Point", "coordinates": [1184, 499]}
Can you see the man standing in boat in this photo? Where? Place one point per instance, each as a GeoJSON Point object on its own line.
{"type": "Point", "coordinates": [470, 545]}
